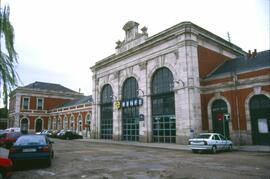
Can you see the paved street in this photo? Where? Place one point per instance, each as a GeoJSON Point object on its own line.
{"type": "Point", "coordinates": [82, 159]}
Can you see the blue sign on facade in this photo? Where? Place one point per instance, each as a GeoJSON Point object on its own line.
{"type": "Point", "coordinates": [132, 102]}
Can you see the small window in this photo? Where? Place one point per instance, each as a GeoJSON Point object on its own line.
{"type": "Point", "coordinates": [26, 103]}
{"type": "Point", "coordinates": [39, 103]}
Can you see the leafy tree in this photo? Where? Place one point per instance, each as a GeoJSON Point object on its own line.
{"type": "Point", "coordinates": [8, 55]}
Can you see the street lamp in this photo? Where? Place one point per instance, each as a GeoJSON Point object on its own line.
{"type": "Point", "coordinates": [114, 98]}
{"type": "Point", "coordinates": [138, 91]}
{"type": "Point", "coordinates": [179, 81]}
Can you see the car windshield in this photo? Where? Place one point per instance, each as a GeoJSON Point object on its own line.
{"type": "Point", "coordinates": [31, 140]}
{"type": "Point", "coordinates": [203, 136]}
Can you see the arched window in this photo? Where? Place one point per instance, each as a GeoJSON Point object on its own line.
{"type": "Point", "coordinates": [106, 107]}
{"type": "Point", "coordinates": [72, 127]}
{"type": "Point", "coordinates": [38, 125]}
{"type": "Point", "coordinates": [24, 126]}
{"type": "Point", "coordinates": [59, 124]}
{"type": "Point", "coordinates": [220, 125]}
{"type": "Point", "coordinates": [79, 123]}
{"type": "Point", "coordinates": [88, 119]}
{"type": "Point", "coordinates": [65, 123]}
{"type": "Point", "coordinates": [259, 107]}
{"type": "Point", "coordinates": [54, 123]}
{"type": "Point", "coordinates": [130, 114]}
{"type": "Point", "coordinates": [163, 107]}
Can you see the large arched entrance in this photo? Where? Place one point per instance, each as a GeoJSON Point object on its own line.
{"type": "Point", "coordinates": [38, 125]}
{"type": "Point", "coordinates": [106, 107]}
{"type": "Point", "coordinates": [259, 106]}
{"type": "Point", "coordinates": [130, 113]}
{"type": "Point", "coordinates": [220, 125]}
{"type": "Point", "coordinates": [163, 108]}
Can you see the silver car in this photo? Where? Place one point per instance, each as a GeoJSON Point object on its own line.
{"type": "Point", "coordinates": [210, 142]}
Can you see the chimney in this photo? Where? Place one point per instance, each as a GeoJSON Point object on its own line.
{"type": "Point", "coordinates": [249, 54]}
{"type": "Point", "coordinates": [254, 53]}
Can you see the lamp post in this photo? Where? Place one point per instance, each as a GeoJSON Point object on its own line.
{"type": "Point", "coordinates": [179, 81]}
{"type": "Point", "coordinates": [114, 98]}
{"type": "Point", "coordinates": [138, 91]}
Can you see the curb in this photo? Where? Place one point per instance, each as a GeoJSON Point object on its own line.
{"type": "Point", "coordinates": [261, 149]}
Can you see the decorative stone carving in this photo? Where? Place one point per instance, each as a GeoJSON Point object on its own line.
{"type": "Point", "coordinates": [144, 31]}
{"type": "Point", "coordinates": [257, 90]}
{"type": "Point", "coordinates": [143, 65]}
{"type": "Point", "coordinates": [118, 44]}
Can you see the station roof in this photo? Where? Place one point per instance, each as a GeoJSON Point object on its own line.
{"type": "Point", "coordinates": [242, 64]}
{"type": "Point", "coordinates": [82, 100]}
{"type": "Point", "coordinates": [48, 86]}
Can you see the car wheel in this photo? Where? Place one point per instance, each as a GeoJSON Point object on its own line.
{"type": "Point", "coordinates": [67, 138]}
{"type": "Point", "coordinates": [214, 149]}
{"type": "Point", "coordinates": [1, 175]}
{"type": "Point", "coordinates": [230, 148]}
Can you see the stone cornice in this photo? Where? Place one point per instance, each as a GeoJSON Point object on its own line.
{"type": "Point", "coordinates": [240, 84]}
{"type": "Point", "coordinates": [170, 33]}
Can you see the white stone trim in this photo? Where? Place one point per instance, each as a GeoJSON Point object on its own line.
{"type": "Point", "coordinates": [209, 111]}
{"type": "Point", "coordinates": [28, 122]}
{"type": "Point", "coordinates": [247, 110]}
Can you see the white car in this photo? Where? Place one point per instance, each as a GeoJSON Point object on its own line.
{"type": "Point", "coordinates": [210, 142]}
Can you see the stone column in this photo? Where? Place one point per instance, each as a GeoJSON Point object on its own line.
{"type": "Point", "coordinates": [188, 104]}
{"type": "Point", "coordinates": [142, 93]}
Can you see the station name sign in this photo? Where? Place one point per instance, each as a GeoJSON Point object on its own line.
{"type": "Point", "coordinates": [132, 102]}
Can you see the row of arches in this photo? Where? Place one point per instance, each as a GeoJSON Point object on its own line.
{"type": "Point", "coordinates": [163, 109]}
{"type": "Point", "coordinates": [57, 123]}
{"type": "Point", "coordinates": [259, 111]}
{"type": "Point", "coordinates": [163, 119]}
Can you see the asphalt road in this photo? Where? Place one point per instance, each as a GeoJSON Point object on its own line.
{"type": "Point", "coordinates": [80, 159]}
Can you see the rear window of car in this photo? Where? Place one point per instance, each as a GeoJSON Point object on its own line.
{"type": "Point", "coordinates": [31, 140]}
{"type": "Point", "coordinates": [203, 136]}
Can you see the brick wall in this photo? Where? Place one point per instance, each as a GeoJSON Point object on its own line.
{"type": "Point", "coordinates": [209, 60]}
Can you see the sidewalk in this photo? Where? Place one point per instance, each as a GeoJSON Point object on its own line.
{"type": "Point", "coordinates": [247, 148]}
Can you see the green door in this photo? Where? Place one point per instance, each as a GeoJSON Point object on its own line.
{"type": "Point", "coordinates": [221, 126]}
{"type": "Point", "coordinates": [260, 119]}
{"type": "Point", "coordinates": [106, 120]}
{"type": "Point", "coordinates": [38, 125]}
{"type": "Point", "coordinates": [130, 114]}
{"type": "Point", "coordinates": [163, 107]}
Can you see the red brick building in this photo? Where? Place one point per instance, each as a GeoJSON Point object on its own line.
{"type": "Point", "coordinates": [39, 106]}
{"type": "Point", "coordinates": [239, 87]}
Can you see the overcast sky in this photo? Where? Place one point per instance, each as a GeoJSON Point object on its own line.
{"type": "Point", "coordinates": [59, 40]}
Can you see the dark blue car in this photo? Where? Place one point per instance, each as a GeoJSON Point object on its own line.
{"type": "Point", "coordinates": [32, 148]}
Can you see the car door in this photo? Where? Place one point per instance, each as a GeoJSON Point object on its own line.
{"type": "Point", "coordinates": [218, 142]}
{"type": "Point", "coordinates": [223, 142]}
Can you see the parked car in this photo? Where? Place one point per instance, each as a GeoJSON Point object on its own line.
{"type": "Point", "coordinates": [210, 142]}
{"type": "Point", "coordinates": [32, 148]}
{"type": "Point", "coordinates": [5, 167]}
{"type": "Point", "coordinates": [45, 132]}
{"type": "Point", "coordinates": [68, 135]}
{"type": "Point", "coordinates": [54, 133]}
{"type": "Point", "coordinates": [7, 139]}
{"type": "Point", "coordinates": [13, 129]}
